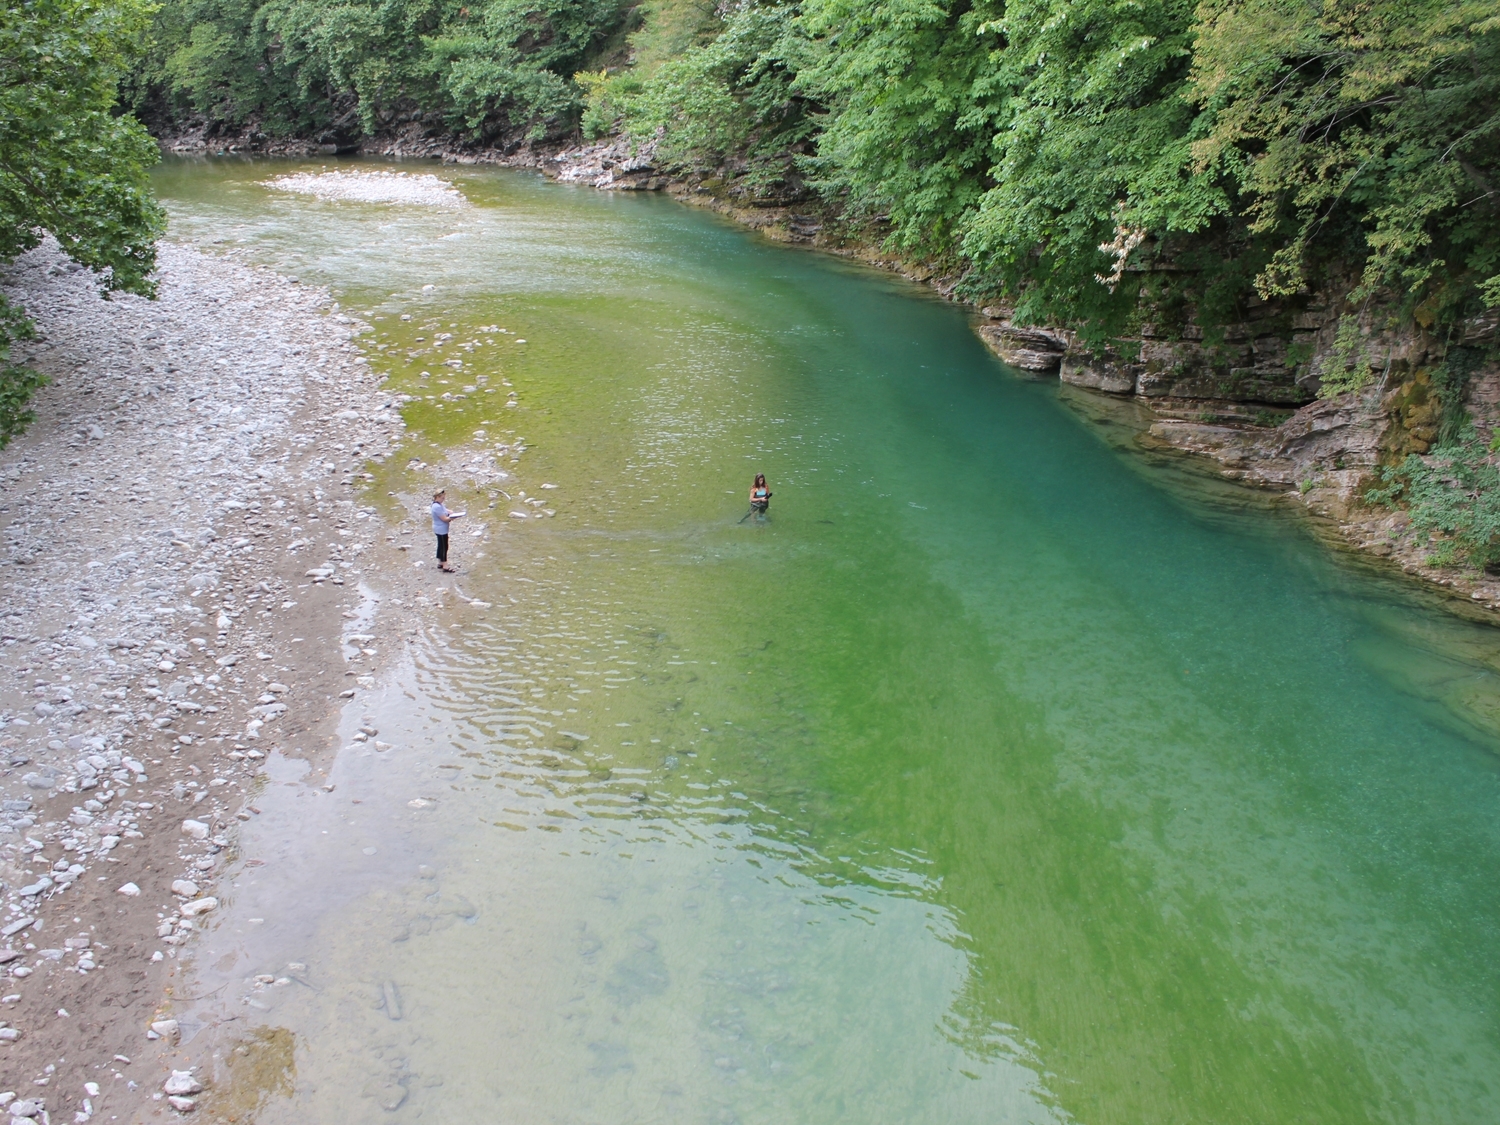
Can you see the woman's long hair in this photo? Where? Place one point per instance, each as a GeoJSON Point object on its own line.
{"type": "Point", "coordinates": [760, 481]}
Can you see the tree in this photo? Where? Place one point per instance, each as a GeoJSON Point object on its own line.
{"type": "Point", "coordinates": [70, 167]}
{"type": "Point", "coordinates": [1364, 131]}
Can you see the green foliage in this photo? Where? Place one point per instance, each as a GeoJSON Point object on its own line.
{"type": "Point", "coordinates": [209, 57]}
{"type": "Point", "coordinates": [512, 60]}
{"type": "Point", "coordinates": [351, 66]}
{"type": "Point", "coordinates": [1454, 497]}
{"type": "Point", "coordinates": [1364, 130]}
{"type": "Point", "coordinates": [915, 102]}
{"type": "Point", "coordinates": [668, 29]}
{"type": "Point", "coordinates": [734, 97]}
{"type": "Point", "coordinates": [1344, 371]}
{"type": "Point", "coordinates": [17, 383]}
{"type": "Point", "coordinates": [1095, 161]}
{"type": "Point", "coordinates": [68, 166]}
{"type": "Point", "coordinates": [367, 53]}
{"type": "Point", "coordinates": [1100, 162]}
{"type": "Point", "coordinates": [1450, 380]}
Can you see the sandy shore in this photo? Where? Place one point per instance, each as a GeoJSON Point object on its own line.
{"type": "Point", "coordinates": [181, 556]}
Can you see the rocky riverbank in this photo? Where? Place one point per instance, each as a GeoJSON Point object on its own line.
{"type": "Point", "coordinates": [181, 554]}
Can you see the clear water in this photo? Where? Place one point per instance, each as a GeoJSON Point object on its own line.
{"type": "Point", "coordinates": [994, 778]}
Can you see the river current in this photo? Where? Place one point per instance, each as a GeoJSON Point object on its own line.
{"type": "Point", "coordinates": [996, 777]}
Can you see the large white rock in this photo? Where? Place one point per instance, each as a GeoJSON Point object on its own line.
{"type": "Point", "coordinates": [182, 1082]}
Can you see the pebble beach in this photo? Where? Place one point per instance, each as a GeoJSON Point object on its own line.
{"type": "Point", "coordinates": [181, 556]}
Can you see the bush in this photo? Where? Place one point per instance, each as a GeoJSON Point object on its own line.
{"type": "Point", "coordinates": [1453, 495]}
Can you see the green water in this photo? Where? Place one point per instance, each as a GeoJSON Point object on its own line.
{"type": "Point", "coordinates": [995, 778]}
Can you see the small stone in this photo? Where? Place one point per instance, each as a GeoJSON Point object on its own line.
{"type": "Point", "coordinates": [184, 887]}
{"type": "Point", "coordinates": [165, 1028]}
{"type": "Point", "coordinates": [182, 1082]}
{"type": "Point", "coordinates": [129, 890]}
{"type": "Point", "coordinates": [25, 1108]}
{"type": "Point", "coordinates": [390, 1097]}
{"type": "Point", "coordinates": [199, 906]}
{"type": "Point", "coordinates": [195, 829]}
{"type": "Point", "coordinates": [182, 1105]}
{"type": "Point", "coordinates": [9, 1034]}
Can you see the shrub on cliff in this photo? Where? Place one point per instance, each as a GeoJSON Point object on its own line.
{"type": "Point", "coordinates": [69, 166]}
{"type": "Point", "coordinates": [1453, 495]}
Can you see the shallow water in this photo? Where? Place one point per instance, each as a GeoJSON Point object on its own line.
{"type": "Point", "coordinates": [990, 779]}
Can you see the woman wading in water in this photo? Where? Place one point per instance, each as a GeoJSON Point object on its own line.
{"type": "Point", "coordinates": [760, 496]}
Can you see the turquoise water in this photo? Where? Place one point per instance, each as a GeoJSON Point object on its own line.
{"type": "Point", "coordinates": [995, 777]}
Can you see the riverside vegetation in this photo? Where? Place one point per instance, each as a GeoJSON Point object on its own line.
{"type": "Point", "coordinates": [1106, 167]}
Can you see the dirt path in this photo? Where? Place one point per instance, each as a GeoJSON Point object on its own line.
{"type": "Point", "coordinates": [181, 550]}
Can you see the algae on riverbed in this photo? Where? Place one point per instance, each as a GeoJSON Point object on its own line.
{"type": "Point", "coordinates": [255, 1068]}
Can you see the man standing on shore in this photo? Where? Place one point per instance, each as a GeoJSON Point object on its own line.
{"type": "Point", "coordinates": [441, 518]}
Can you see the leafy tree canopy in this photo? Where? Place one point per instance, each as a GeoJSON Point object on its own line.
{"type": "Point", "coordinates": [69, 166]}
{"type": "Point", "coordinates": [303, 66]}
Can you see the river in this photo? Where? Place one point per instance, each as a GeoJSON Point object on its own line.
{"type": "Point", "coordinates": [996, 777]}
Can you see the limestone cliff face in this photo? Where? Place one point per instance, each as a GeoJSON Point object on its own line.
{"type": "Point", "coordinates": [1268, 360]}
{"type": "Point", "coordinates": [1249, 399]}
